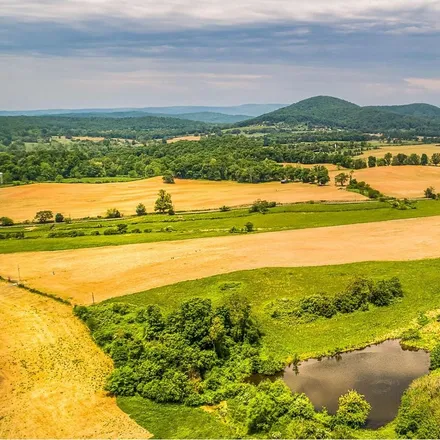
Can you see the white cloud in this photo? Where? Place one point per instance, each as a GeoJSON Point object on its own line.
{"type": "Point", "coordinates": [431, 84]}
{"type": "Point", "coordinates": [197, 13]}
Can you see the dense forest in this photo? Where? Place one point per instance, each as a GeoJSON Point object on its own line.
{"type": "Point", "coordinates": [237, 158]}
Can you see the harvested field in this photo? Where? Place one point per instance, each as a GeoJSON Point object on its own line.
{"type": "Point", "coordinates": [401, 181]}
{"type": "Point", "coordinates": [88, 200]}
{"type": "Point", "coordinates": [419, 149]}
{"type": "Point", "coordinates": [184, 138]}
{"type": "Point", "coordinates": [52, 374]}
{"type": "Point", "coordinates": [114, 271]}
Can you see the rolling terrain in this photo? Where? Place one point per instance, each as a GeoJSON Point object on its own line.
{"type": "Point", "coordinates": [53, 374]}
{"type": "Point", "coordinates": [114, 271]}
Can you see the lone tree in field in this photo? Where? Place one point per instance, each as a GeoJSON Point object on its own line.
{"type": "Point", "coordinates": [168, 177]}
{"type": "Point", "coordinates": [43, 216]}
{"type": "Point", "coordinates": [424, 159]}
{"type": "Point", "coordinates": [164, 203]}
{"type": "Point", "coordinates": [113, 213]}
{"type": "Point", "coordinates": [341, 179]}
{"type": "Point", "coordinates": [59, 218]}
{"type": "Point", "coordinates": [435, 159]}
{"type": "Point", "coordinates": [141, 210]}
{"type": "Point", "coordinates": [6, 221]}
{"type": "Point", "coordinates": [430, 193]}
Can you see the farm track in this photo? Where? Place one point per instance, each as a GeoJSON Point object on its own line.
{"type": "Point", "coordinates": [119, 270]}
{"type": "Point", "coordinates": [52, 374]}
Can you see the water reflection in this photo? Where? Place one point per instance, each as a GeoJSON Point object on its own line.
{"type": "Point", "coordinates": [381, 372]}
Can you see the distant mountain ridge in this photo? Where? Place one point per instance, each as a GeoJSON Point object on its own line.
{"type": "Point", "coordinates": [338, 113]}
{"type": "Point", "coordinates": [250, 110]}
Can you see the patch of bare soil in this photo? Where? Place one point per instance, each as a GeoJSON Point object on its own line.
{"type": "Point", "coordinates": [52, 374]}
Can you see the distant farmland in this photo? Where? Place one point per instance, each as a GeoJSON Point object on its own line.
{"type": "Point", "coordinates": [83, 200]}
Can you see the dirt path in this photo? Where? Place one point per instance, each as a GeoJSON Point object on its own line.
{"type": "Point", "coordinates": [119, 270]}
{"type": "Point", "coordinates": [51, 374]}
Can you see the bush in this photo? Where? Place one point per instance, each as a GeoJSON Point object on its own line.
{"type": "Point", "coordinates": [261, 206]}
{"type": "Point", "coordinates": [430, 193]}
{"type": "Point", "coordinates": [234, 230]}
{"type": "Point", "coordinates": [95, 233]}
{"type": "Point", "coordinates": [141, 210]}
{"type": "Point", "coordinates": [59, 218]}
{"type": "Point", "coordinates": [318, 305]}
{"type": "Point", "coordinates": [249, 227]}
{"type": "Point", "coordinates": [356, 296]}
{"type": "Point", "coordinates": [136, 231]}
{"type": "Point", "coordinates": [224, 208]}
{"type": "Point", "coordinates": [113, 213]}
{"type": "Point", "coordinates": [111, 231]}
{"type": "Point", "coordinates": [353, 410]}
{"type": "Point", "coordinates": [435, 358]}
{"type": "Point", "coordinates": [147, 231]}
{"type": "Point", "coordinates": [385, 291]}
{"type": "Point", "coordinates": [6, 221]}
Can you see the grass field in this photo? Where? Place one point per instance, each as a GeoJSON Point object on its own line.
{"type": "Point", "coordinates": [119, 270]}
{"type": "Point", "coordinates": [419, 149]}
{"type": "Point", "coordinates": [183, 138]}
{"type": "Point", "coordinates": [284, 338]}
{"type": "Point", "coordinates": [401, 181]}
{"type": "Point", "coordinates": [210, 224]}
{"type": "Point", "coordinates": [22, 202]}
{"type": "Point", "coordinates": [52, 374]}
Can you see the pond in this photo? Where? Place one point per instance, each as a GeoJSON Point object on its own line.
{"type": "Point", "coordinates": [380, 372]}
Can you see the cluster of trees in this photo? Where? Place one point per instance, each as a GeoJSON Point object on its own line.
{"type": "Point", "coordinates": [431, 194]}
{"type": "Point", "coordinates": [357, 296]}
{"type": "Point", "coordinates": [200, 354]}
{"type": "Point", "coordinates": [214, 158]}
{"type": "Point", "coordinates": [403, 159]}
{"type": "Point", "coordinates": [318, 174]}
{"type": "Point", "coordinates": [362, 188]}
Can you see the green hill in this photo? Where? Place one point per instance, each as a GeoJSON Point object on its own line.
{"type": "Point", "coordinates": [418, 110]}
{"type": "Point", "coordinates": [326, 111]}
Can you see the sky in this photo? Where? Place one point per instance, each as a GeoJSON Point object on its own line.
{"type": "Point", "coordinates": [139, 53]}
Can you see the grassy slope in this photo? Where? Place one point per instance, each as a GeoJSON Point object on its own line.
{"type": "Point", "coordinates": [174, 421]}
{"type": "Point", "coordinates": [197, 225]}
{"type": "Point", "coordinates": [283, 338]}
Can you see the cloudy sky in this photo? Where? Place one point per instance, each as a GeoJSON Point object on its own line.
{"type": "Point", "coordinates": [133, 53]}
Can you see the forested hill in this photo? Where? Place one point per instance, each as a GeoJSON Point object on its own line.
{"type": "Point", "coordinates": [417, 110]}
{"type": "Point", "coordinates": [326, 111]}
{"type": "Point", "coordinates": [30, 128]}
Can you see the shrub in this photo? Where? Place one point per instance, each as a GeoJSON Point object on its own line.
{"type": "Point", "coordinates": [168, 177]}
{"type": "Point", "coordinates": [430, 193]}
{"type": "Point", "coordinates": [224, 208]}
{"type": "Point", "coordinates": [59, 218]}
{"type": "Point", "coordinates": [113, 213]}
{"type": "Point", "coordinates": [111, 231]}
{"type": "Point", "coordinates": [385, 291]}
{"type": "Point", "coordinates": [356, 296]}
{"type": "Point", "coordinates": [261, 206]}
{"type": "Point", "coordinates": [249, 227]}
{"type": "Point", "coordinates": [234, 230]}
{"type": "Point", "coordinates": [435, 358]}
{"type": "Point", "coordinates": [319, 305]}
{"type": "Point", "coordinates": [122, 228]}
{"type": "Point", "coordinates": [141, 210]}
{"type": "Point", "coordinates": [147, 231]}
{"type": "Point", "coordinates": [6, 221]}
{"type": "Point", "coordinates": [136, 231]}
{"type": "Point", "coordinates": [95, 233]}
{"type": "Point", "coordinates": [353, 410]}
